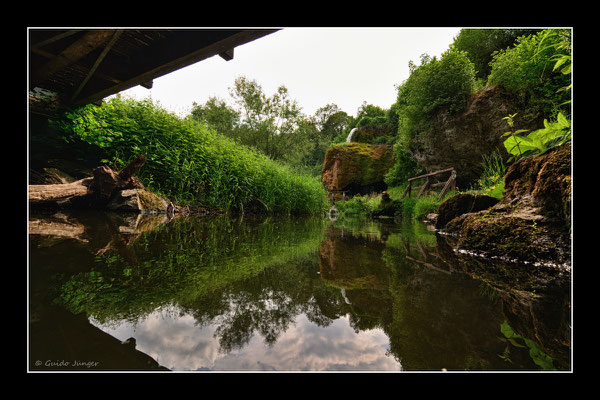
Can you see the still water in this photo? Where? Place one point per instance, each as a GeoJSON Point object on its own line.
{"type": "Point", "coordinates": [124, 292]}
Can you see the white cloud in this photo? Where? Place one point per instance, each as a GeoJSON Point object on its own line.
{"type": "Point", "coordinates": [177, 343]}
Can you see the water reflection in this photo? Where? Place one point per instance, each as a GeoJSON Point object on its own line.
{"type": "Point", "coordinates": [285, 294]}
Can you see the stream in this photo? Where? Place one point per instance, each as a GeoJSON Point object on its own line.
{"type": "Point", "coordinates": [279, 293]}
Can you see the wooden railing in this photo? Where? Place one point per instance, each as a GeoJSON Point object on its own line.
{"type": "Point", "coordinates": [447, 185]}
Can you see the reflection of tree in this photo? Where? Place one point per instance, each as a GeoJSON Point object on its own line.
{"type": "Point", "coordinates": [267, 304]}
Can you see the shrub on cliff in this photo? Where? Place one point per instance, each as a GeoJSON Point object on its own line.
{"type": "Point", "coordinates": [447, 82]}
{"type": "Point", "coordinates": [481, 44]}
{"type": "Point", "coordinates": [528, 68]}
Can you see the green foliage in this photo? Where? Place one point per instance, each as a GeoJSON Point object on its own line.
{"type": "Point", "coordinates": [481, 44]}
{"type": "Point", "coordinates": [418, 208]}
{"type": "Point", "coordinates": [274, 125]}
{"type": "Point", "coordinates": [491, 182]}
{"type": "Point", "coordinates": [363, 206]}
{"type": "Point", "coordinates": [444, 83]}
{"type": "Point", "coordinates": [190, 163]}
{"type": "Point", "coordinates": [539, 141]}
{"type": "Point", "coordinates": [532, 68]}
{"type": "Point", "coordinates": [404, 167]}
{"type": "Point", "coordinates": [370, 121]}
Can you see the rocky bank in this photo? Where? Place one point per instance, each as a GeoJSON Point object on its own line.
{"type": "Point", "coordinates": [530, 223]}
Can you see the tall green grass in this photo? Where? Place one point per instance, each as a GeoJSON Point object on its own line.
{"type": "Point", "coordinates": [189, 163]}
{"type": "Point", "coordinates": [417, 208]}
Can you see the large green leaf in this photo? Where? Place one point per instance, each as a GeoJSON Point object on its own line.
{"type": "Point", "coordinates": [517, 145]}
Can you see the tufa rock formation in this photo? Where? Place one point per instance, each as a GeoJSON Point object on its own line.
{"type": "Point", "coordinates": [461, 140]}
{"type": "Point", "coordinates": [356, 167]}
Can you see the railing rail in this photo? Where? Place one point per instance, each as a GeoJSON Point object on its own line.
{"type": "Point", "coordinates": [447, 185]}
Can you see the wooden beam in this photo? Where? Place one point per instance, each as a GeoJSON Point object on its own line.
{"type": "Point", "coordinates": [431, 174]}
{"type": "Point", "coordinates": [202, 53]}
{"type": "Point", "coordinates": [105, 51]}
{"type": "Point", "coordinates": [451, 183]}
{"type": "Point", "coordinates": [88, 43]}
{"type": "Point", "coordinates": [227, 55]}
{"type": "Point", "coordinates": [53, 39]}
{"type": "Point", "coordinates": [424, 187]}
{"type": "Point", "coordinates": [76, 66]}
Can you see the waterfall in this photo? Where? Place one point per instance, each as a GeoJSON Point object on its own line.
{"type": "Point", "coordinates": [349, 138]}
{"type": "Point", "coordinates": [343, 290]}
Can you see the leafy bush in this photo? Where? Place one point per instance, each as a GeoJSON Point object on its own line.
{"type": "Point", "coordinates": [188, 162]}
{"type": "Point", "coordinates": [539, 141]}
{"type": "Point", "coordinates": [529, 68]}
{"type": "Point", "coordinates": [444, 83]}
{"type": "Point", "coordinates": [481, 44]}
{"type": "Point", "coordinates": [359, 206]}
{"type": "Point", "coordinates": [404, 167]}
{"type": "Point", "coordinates": [369, 121]}
{"type": "Point", "coordinates": [491, 182]}
{"type": "Point", "coordinates": [437, 83]}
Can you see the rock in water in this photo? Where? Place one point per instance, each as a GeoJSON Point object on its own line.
{"type": "Point", "coordinates": [532, 221]}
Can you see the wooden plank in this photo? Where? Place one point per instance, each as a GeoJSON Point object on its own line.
{"type": "Point", "coordinates": [75, 66]}
{"type": "Point", "coordinates": [105, 51]}
{"type": "Point", "coordinates": [227, 55]}
{"type": "Point", "coordinates": [424, 187]}
{"type": "Point", "coordinates": [202, 53]}
{"type": "Point", "coordinates": [88, 43]}
{"type": "Point", "coordinates": [54, 39]}
{"type": "Point", "coordinates": [407, 189]}
{"type": "Point", "coordinates": [450, 183]}
{"type": "Point", "coordinates": [431, 174]}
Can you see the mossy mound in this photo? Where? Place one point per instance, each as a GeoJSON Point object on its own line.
{"type": "Point", "coordinates": [358, 164]}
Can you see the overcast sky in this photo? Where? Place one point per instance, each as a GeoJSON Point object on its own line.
{"type": "Point", "coordinates": [319, 66]}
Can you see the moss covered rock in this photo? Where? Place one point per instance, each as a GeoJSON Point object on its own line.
{"type": "Point", "coordinates": [358, 164]}
{"type": "Point", "coordinates": [532, 221]}
{"type": "Point", "coordinates": [460, 204]}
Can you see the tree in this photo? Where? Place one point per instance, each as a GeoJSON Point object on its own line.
{"type": "Point", "coordinates": [270, 124]}
{"type": "Point", "coordinates": [480, 45]}
{"type": "Point", "coordinates": [217, 115]}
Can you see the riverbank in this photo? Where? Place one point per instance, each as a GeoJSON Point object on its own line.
{"type": "Point", "coordinates": [187, 163]}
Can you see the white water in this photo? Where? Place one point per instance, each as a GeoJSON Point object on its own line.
{"type": "Point", "coordinates": [349, 138]}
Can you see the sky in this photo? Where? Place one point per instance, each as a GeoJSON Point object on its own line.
{"type": "Point", "coordinates": [176, 341]}
{"type": "Point", "coordinates": [318, 66]}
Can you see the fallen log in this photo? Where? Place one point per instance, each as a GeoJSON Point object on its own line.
{"type": "Point", "coordinates": [96, 190]}
{"type": "Point", "coordinates": [39, 194]}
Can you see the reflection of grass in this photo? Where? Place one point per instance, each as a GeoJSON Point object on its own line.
{"type": "Point", "coordinates": [187, 257]}
{"type": "Point", "coordinates": [412, 231]}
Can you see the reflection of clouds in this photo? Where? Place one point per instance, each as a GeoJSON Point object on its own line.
{"type": "Point", "coordinates": [177, 343]}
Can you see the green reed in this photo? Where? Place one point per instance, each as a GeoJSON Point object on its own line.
{"type": "Point", "coordinates": [188, 163]}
